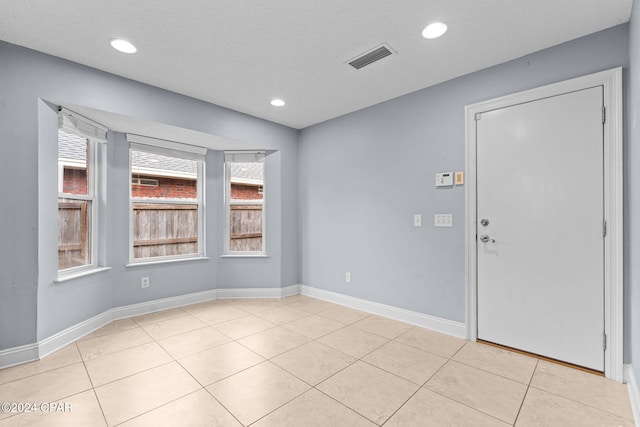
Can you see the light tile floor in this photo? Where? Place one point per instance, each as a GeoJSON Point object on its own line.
{"type": "Point", "coordinates": [298, 361]}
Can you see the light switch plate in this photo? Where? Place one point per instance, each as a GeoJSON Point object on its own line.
{"type": "Point", "coordinates": [417, 220]}
{"type": "Point", "coordinates": [443, 220]}
{"type": "Point", "coordinates": [444, 179]}
{"type": "Point", "coordinates": [459, 178]}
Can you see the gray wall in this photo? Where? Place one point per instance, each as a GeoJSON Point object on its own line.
{"type": "Point", "coordinates": [28, 215]}
{"type": "Point", "coordinates": [632, 195]}
{"type": "Point", "coordinates": [361, 178]}
{"type": "Point", "coordinates": [364, 175]}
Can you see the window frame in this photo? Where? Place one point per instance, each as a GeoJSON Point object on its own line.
{"type": "Point", "coordinates": [177, 150]}
{"type": "Point", "coordinates": [95, 134]}
{"type": "Point", "coordinates": [244, 157]}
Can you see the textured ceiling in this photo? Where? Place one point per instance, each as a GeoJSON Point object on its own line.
{"type": "Point", "coordinates": [241, 53]}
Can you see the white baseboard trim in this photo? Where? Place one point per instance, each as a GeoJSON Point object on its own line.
{"type": "Point", "coordinates": [57, 341]}
{"type": "Point", "coordinates": [634, 392]}
{"type": "Point", "coordinates": [290, 291]}
{"type": "Point", "coordinates": [162, 304]}
{"type": "Point", "coordinates": [449, 327]}
{"type": "Point", "coordinates": [18, 355]}
{"type": "Point", "coordinates": [31, 352]}
{"type": "Point", "coordinates": [258, 292]}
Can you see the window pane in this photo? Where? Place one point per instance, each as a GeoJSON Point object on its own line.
{"type": "Point", "coordinates": [163, 177]}
{"type": "Point", "coordinates": [246, 206]}
{"type": "Point", "coordinates": [73, 233]}
{"type": "Point", "coordinates": [164, 229]}
{"type": "Point", "coordinates": [163, 224]}
{"type": "Point", "coordinates": [72, 161]}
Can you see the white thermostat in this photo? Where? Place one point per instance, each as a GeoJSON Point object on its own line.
{"type": "Point", "coordinates": [444, 179]}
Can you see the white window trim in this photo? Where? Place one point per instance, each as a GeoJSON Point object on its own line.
{"type": "Point", "coordinates": [96, 134]}
{"type": "Point", "coordinates": [165, 260]}
{"type": "Point", "coordinates": [243, 157]}
{"type": "Point", "coordinates": [77, 123]}
{"type": "Point", "coordinates": [171, 149]}
{"type": "Point", "coordinates": [166, 147]}
{"type": "Point", "coordinates": [79, 274]}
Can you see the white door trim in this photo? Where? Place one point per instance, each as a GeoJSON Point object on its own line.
{"type": "Point", "coordinates": [611, 80]}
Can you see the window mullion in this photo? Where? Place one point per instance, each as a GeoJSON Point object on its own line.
{"type": "Point", "coordinates": [75, 196]}
{"type": "Point", "coordinates": [165, 201]}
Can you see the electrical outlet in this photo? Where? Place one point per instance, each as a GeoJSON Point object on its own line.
{"type": "Point", "coordinates": [144, 282]}
{"type": "Point", "coordinates": [417, 220]}
{"type": "Point", "coordinates": [347, 277]}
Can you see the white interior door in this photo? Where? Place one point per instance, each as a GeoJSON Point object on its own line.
{"type": "Point", "coordinates": [540, 272]}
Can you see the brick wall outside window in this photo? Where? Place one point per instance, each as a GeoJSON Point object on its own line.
{"type": "Point", "coordinates": [168, 188]}
{"type": "Point", "coordinates": [245, 192]}
{"type": "Point", "coordinates": [75, 182]}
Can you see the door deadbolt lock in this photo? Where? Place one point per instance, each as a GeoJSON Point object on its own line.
{"type": "Point", "coordinates": [484, 222]}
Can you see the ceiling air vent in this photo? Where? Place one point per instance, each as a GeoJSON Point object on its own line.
{"type": "Point", "coordinates": [371, 56]}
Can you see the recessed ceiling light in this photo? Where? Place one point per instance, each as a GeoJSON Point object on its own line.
{"type": "Point", "coordinates": [123, 46]}
{"type": "Point", "coordinates": [435, 30]}
{"type": "Point", "coordinates": [277, 102]}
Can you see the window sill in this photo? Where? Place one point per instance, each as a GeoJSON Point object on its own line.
{"type": "Point", "coordinates": [79, 274]}
{"type": "Point", "coordinates": [244, 256]}
{"type": "Point", "coordinates": [165, 261]}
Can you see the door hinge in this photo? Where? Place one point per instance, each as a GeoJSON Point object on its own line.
{"type": "Point", "coordinates": [604, 115]}
{"type": "Point", "coordinates": [604, 341]}
{"type": "Point", "coordinates": [604, 228]}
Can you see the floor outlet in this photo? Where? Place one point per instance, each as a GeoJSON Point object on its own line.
{"type": "Point", "coordinates": [144, 282]}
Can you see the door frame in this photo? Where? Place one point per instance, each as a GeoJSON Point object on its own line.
{"type": "Point", "coordinates": [611, 80]}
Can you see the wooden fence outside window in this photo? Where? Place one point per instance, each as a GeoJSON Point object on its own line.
{"type": "Point", "coordinates": [159, 230]}
{"type": "Point", "coordinates": [164, 230]}
{"type": "Point", "coordinates": [73, 234]}
{"type": "Point", "coordinates": [246, 228]}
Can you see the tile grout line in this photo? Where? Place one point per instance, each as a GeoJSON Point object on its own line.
{"type": "Point", "coordinates": [526, 392]}
{"type": "Point", "coordinates": [258, 314]}
{"type": "Point", "coordinates": [174, 360]}
{"type": "Point", "coordinates": [342, 404]}
{"type": "Point", "coordinates": [222, 405]}
{"type": "Point", "coordinates": [450, 359]}
{"type": "Point", "coordinates": [388, 340]}
{"type": "Point", "coordinates": [606, 411]}
{"type": "Point", "coordinates": [419, 387]}
{"type": "Point", "coordinates": [93, 388]}
{"type": "Point", "coordinates": [314, 387]}
{"type": "Point", "coordinates": [95, 395]}
{"type": "Point", "coordinates": [571, 399]}
{"type": "Point", "coordinates": [489, 372]}
{"type": "Point", "coordinates": [157, 407]}
{"type": "Point", "coordinates": [360, 359]}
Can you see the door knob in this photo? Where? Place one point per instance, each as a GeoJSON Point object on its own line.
{"type": "Point", "coordinates": [484, 238]}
